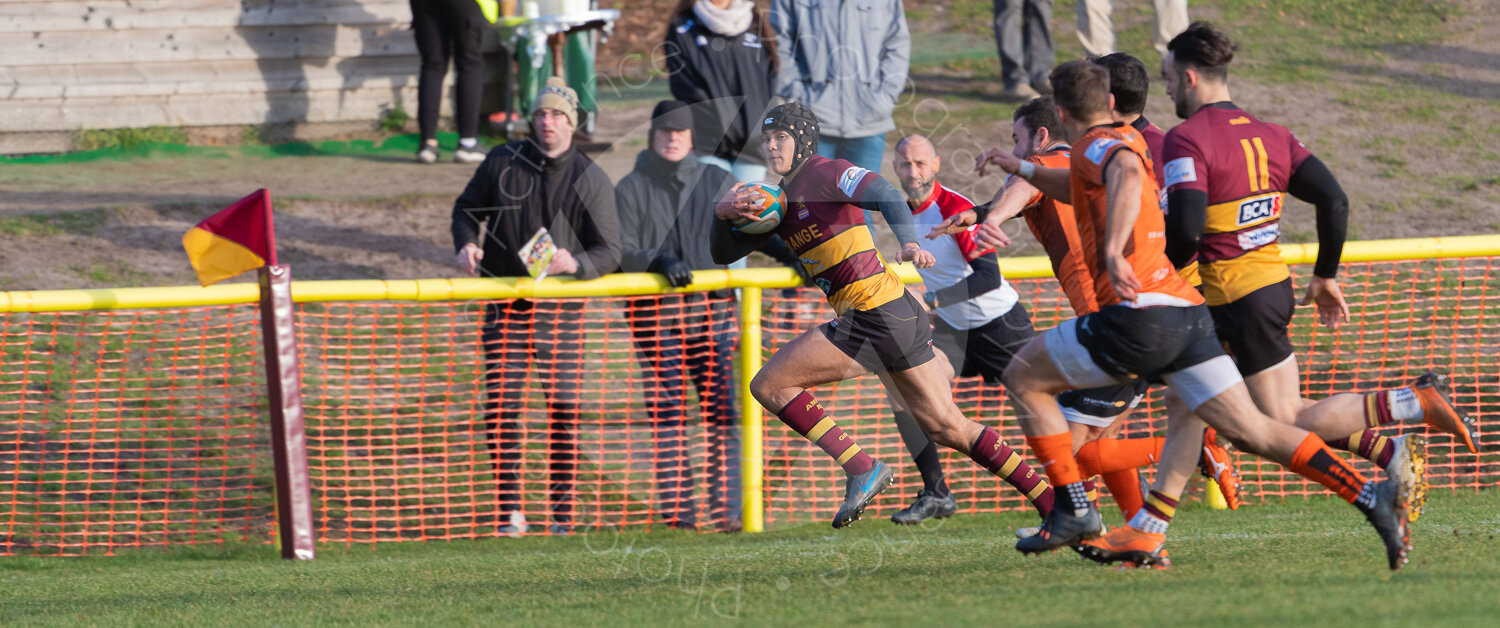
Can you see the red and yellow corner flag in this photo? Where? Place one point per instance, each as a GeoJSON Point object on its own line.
{"type": "Point", "coordinates": [237, 239]}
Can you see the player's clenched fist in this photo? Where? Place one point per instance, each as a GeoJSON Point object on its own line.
{"type": "Point", "coordinates": [468, 258]}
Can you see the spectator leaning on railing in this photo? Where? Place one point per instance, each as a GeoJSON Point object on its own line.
{"type": "Point", "coordinates": [722, 59]}
{"type": "Point", "coordinates": [523, 186]}
{"type": "Point", "coordinates": [666, 220]}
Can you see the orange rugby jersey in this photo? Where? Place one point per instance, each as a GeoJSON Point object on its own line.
{"type": "Point", "coordinates": [1145, 250]}
{"type": "Point", "coordinates": [1056, 229]}
{"type": "Point", "coordinates": [1243, 165]}
{"type": "Point", "coordinates": [827, 232]}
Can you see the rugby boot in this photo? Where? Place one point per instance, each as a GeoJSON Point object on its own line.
{"type": "Point", "coordinates": [1022, 533]}
{"type": "Point", "coordinates": [1126, 544]}
{"type": "Point", "coordinates": [1408, 467]}
{"type": "Point", "coordinates": [1216, 464]}
{"type": "Point", "coordinates": [1439, 412]}
{"type": "Point", "coordinates": [1062, 528]}
{"type": "Point", "coordinates": [1388, 515]}
{"type": "Point", "coordinates": [1162, 564]}
{"type": "Point", "coordinates": [928, 506]}
{"type": "Point", "coordinates": [860, 490]}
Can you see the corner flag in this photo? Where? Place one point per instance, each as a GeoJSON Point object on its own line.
{"type": "Point", "coordinates": [238, 238]}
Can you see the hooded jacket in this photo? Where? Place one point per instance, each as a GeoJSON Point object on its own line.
{"type": "Point", "coordinates": [517, 189]}
{"type": "Point", "coordinates": [728, 82]}
{"type": "Point", "coordinates": [846, 59]}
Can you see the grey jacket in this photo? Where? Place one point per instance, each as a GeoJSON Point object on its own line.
{"type": "Point", "coordinates": [846, 59]}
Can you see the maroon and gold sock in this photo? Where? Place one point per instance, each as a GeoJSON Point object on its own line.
{"type": "Point", "coordinates": [1091, 489]}
{"type": "Point", "coordinates": [805, 416]}
{"type": "Point", "coordinates": [1155, 513]}
{"type": "Point", "coordinates": [1315, 461]}
{"type": "Point", "coordinates": [998, 458]}
{"type": "Point", "coordinates": [1368, 444]}
{"type": "Point", "coordinates": [1384, 407]}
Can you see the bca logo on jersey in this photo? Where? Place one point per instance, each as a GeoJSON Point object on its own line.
{"type": "Point", "coordinates": [850, 180]}
{"type": "Point", "coordinates": [1096, 151]}
{"type": "Point", "coordinates": [1259, 208]}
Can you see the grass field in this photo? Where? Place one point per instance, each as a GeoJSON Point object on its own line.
{"type": "Point", "coordinates": [1301, 563]}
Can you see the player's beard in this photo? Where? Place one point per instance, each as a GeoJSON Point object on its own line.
{"type": "Point", "coordinates": [1180, 105]}
{"type": "Point", "coordinates": [918, 190]}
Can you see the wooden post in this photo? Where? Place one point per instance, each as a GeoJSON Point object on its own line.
{"type": "Point", "coordinates": [284, 386]}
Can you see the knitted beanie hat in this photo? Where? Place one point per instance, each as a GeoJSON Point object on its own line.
{"type": "Point", "coordinates": [557, 95]}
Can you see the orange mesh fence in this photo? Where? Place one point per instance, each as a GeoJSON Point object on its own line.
{"type": "Point", "coordinates": [437, 420]}
{"type": "Point", "coordinates": [1407, 317]}
{"type": "Point", "coordinates": [132, 428]}
{"type": "Point", "coordinates": [429, 421]}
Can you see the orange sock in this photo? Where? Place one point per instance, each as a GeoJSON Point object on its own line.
{"type": "Point", "coordinates": [1055, 451]}
{"type": "Point", "coordinates": [1125, 486]}
{"type": "Point", "coordinates": [1315, 461]}
{"type": "Point", "coordinates": [1107, 455]}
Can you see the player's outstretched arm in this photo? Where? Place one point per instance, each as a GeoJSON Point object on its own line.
{"type": "Point", "coordinates": [1314, 183]}
{"type": "Point", "coordinates": [1009, 200]}
{"type": "Point", "coordinates": [986, 277]}
{"type": "Point", "coordinates": [883, 197]}
{"type": "Point", "coordinates": [1054, 182]}
{"type": "Point", "coordinates": [1123, 182]}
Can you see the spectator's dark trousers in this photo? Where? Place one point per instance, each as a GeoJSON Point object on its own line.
{"type": "Point", "coordinates": [545, 335]}
{"type": "Point", "coordinates": [682, 336]}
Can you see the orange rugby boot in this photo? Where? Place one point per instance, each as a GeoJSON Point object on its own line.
{"type": "Point", "coordinates": [1439, 412]}
{"type": "Point", "coordinates": [1216, 464]}
{"type": "Point", "coordinates": [1126, 544]}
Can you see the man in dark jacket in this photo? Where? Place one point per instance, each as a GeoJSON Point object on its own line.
{"type": "Point", "coordinates": [666, 218]}
{"type": "Point", "coordinates": [522, 187]}
{"type": "Point", "coordinates": [721, 56]}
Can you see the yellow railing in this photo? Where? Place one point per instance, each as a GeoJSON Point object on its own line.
{"type": "Point", "coordinates": [749, 281]}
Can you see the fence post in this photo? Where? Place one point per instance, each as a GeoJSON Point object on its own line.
{"type": "Point", "coordinates": [284, 387]}
{"type": "Point", "coordinates": [753, 501]}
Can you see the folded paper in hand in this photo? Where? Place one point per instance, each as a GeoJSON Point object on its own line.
{"type": "Point", "coordinates": [537, 253]}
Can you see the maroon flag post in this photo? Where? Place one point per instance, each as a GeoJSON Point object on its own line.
{"type": "Point", "coordinates": [236, 239]}
{"type": "Point", "coordinates": [284, 386]}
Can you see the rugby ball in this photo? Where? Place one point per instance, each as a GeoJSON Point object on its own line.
{"type": "Point", "coordinates": [772, 204]}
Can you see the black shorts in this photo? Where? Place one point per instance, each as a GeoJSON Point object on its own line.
{"type": "Point", "coordinates": [893, 336]}
{"type": "Point", "coordinates": [1254, 327]}
{"type": "Point", "coordinates": [1100, 406]}
{"type": "Point", "coordinates": [1132, 344]}
{"type": "Point", "coordinates": [986, 350]}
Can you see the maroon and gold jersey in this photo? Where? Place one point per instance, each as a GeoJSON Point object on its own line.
{"type": "Point", "coordinates": [1056, 229]}
{"type": "Point", "coordinates": [828, 234]}
{"type": "Point", "coordinates": [1146, 250]}
{"type": "Point", "coordinates": [1155, 138]}
{"type": "Point", "coordinates": [1243, 165]}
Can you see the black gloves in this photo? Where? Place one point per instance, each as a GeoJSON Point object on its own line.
{"type": "Point", "coordinates": [676, 271]}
